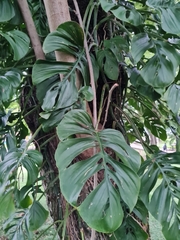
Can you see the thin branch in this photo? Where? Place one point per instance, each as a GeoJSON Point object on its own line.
{"type": "Point", "coordinates": [108, 102]}
{"type": "Point", "coordinates": [36, 44]}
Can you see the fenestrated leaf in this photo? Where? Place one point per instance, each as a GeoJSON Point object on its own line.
{"type": "Point", "coordinates": [106, 5]}
{"type": "Point", "coordinates": [129, 230]}
{"type": "Point", "coordinates": [107, 60]}
{"type": "Point", "coordinates": [12, 160]}
{"type": "Point", "coordinates": [170, 14]}
{"type": "Point", "coordinates": [164, 203]}
{"type": "Point", "coordinates": [106, 216]}
{"type": "Point", "coordinates": [14, 78]}
{"type": "Point", "coordinates": [37, 216]}
{"type": "Point", "coordinates": [61, 95]}
{"type": "Point", "coordinates": [114, 140]}
{"type": "Point", "coordinates": [127, 14]}
{"type": "Point", "coordinates": [68, 94]}
{"type": "Point", "coordinates": [170, 231]}
{"type": "Point", "coordinates": [19, 42]}
{"type": "Point", "coordinates": [49, 69]}
{"type": "Point", "coordinates": [142, 87]}
{"type": "Point", "coordinates": [9, 83]}
{"type": "Point", "coordinates": [170, 18]}
{"type": "Point", "coordinates": [158, 72]}
{"type": "Point", "coordinates": [32, 161]}
{"type": "Point", "coordinates": [75, 123]}
{"type": "Point", "coordinates": [172, 96]}
{"type": "Point", "coordinates": [154, 124]}
{"type": "Point", "coordinates": [13, 227]}
{"type": "Point", "coordinates": [117, 45]}
{"type": "Point", "coordinates": [139, 45]}
{"type": "Point", "coordinates": [160, 3]}
{"type": "Point", "coordinates": [68, 38]}
{"type": "Point", "coordinates": [99, 208]}
{"type": "Point", "coordinates": [52, 119]}
{"type": "Point", "coordinates": [170, 52]}
{"type": "Point", "coordinates": [8, 164]}
{"type": "Point", "coordinates": [6, 10]}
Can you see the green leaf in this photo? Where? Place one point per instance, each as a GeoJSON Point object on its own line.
{"type": "Point", "coordinates": [8, 85]}
{"type": "Point", "coordinates": [170, 18]}
{"type": "Point", "coordinates": [106, 5]}
{"type": "Point", "coordinates": [19, 42]}
{"type": "Point", "coordinates": [26, 202]}
{"type": "Point", "coordinates": [31, 162]}
{"type": "Point", "coordinates": [14, 226]}
{"type": "Point", "coordinates": [86, 93]}
{"type": "Point", "coordinates": [60, 95]}
{"type": "Point", "coordinates": [6, 10]}
{"type": "Point", "coordinates": [35, 156]}
{"type": "Point", "coordinates": [164, 203]}
{"type": "Point", "coordinates": [142, 87]}
{"type": "Point", "coordinates": [8, 165]}
{"type": "Point", "coordinates": [160, 3]}
{"type": "Point", "coordinates": [130, 230]}
{"type": "Point", "coordinates": [99, 208]}
{"type": "Point", "coordinates": [52, 119]}
{"type": "Point", "coordinates": [158, 72]}
{"type": "Point", "coordinates": [170, 52]}
{"type": "Point", "coordinates": [130, 15]}
{"type": "Point", "coordinates": [106, 216]}
{"type": "Point", "coordinates": [141, 211]}
{"type": "Point", "coordinates": [68, 37]}
{"type": "Point", "coordinates": [117, 45]}
{"type": "Point", "coordinates": [127, 14]}
{"type": "Point", "coordinates": [75, 123]}
{"type": "Point", "coordinates": [170, 14]}
{"type": "Point", "coordinates": [172, 96]}
{"type": "Point", "coordinates": [49, 70]}
{"type": "Point", "coordinates": [170, 231]}
{"type": "Point", "coordinates": [108, 61]}
{"type": "Point", "coordinates": [6, 205]}
{"type": "Point", "coordinates": [37, 216]}
{"type": "Point", "coordinates": [154, 124]}
{"type": "Point", "coordinates": [139, 45]}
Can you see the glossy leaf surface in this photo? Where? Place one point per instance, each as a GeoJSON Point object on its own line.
{"type": "Point", "coordinates": [101, 209]}
{"type": "Point", "coordinates": [6, 10]}
{"type": "Point", "coordinates": [164, 203]}
{"type": "Point", "coordinates": [68, 38]}
{"type": "Point", "coordinates": [49, 69]}
{"type": "Point", "coordinates": [19, 42]}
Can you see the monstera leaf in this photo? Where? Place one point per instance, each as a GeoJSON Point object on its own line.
{"type": "Point", "coordinates": [164, 203]}
{"type": "Point", "coordinates": [101, 209]}
{"type": "Point", "coordinates": [7, 10]}
{"type": "Point", "coordinates": [161, 69]}
{"type": "Point", "coordinates": [170, 14]}
{"type": "Point", "coordinates": [68, 38]}
{"type": "Point", "coordinates": [19, 42]}
{"type": "Point", "coordinates": [124, 11]}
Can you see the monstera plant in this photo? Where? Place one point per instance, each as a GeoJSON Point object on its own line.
{"type": "Point", "coordinates": [85, 79]}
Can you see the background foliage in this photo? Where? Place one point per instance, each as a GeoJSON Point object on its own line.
{"type": "Point", "coordinates": [134, 50]}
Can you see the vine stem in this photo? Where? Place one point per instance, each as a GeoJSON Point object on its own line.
{"type": "Point", "coordinates": [89, 65]}
{"type": "Point", "coordinates": [108, 102]}
{"type": "Point", "coordinates": [93, 233]}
